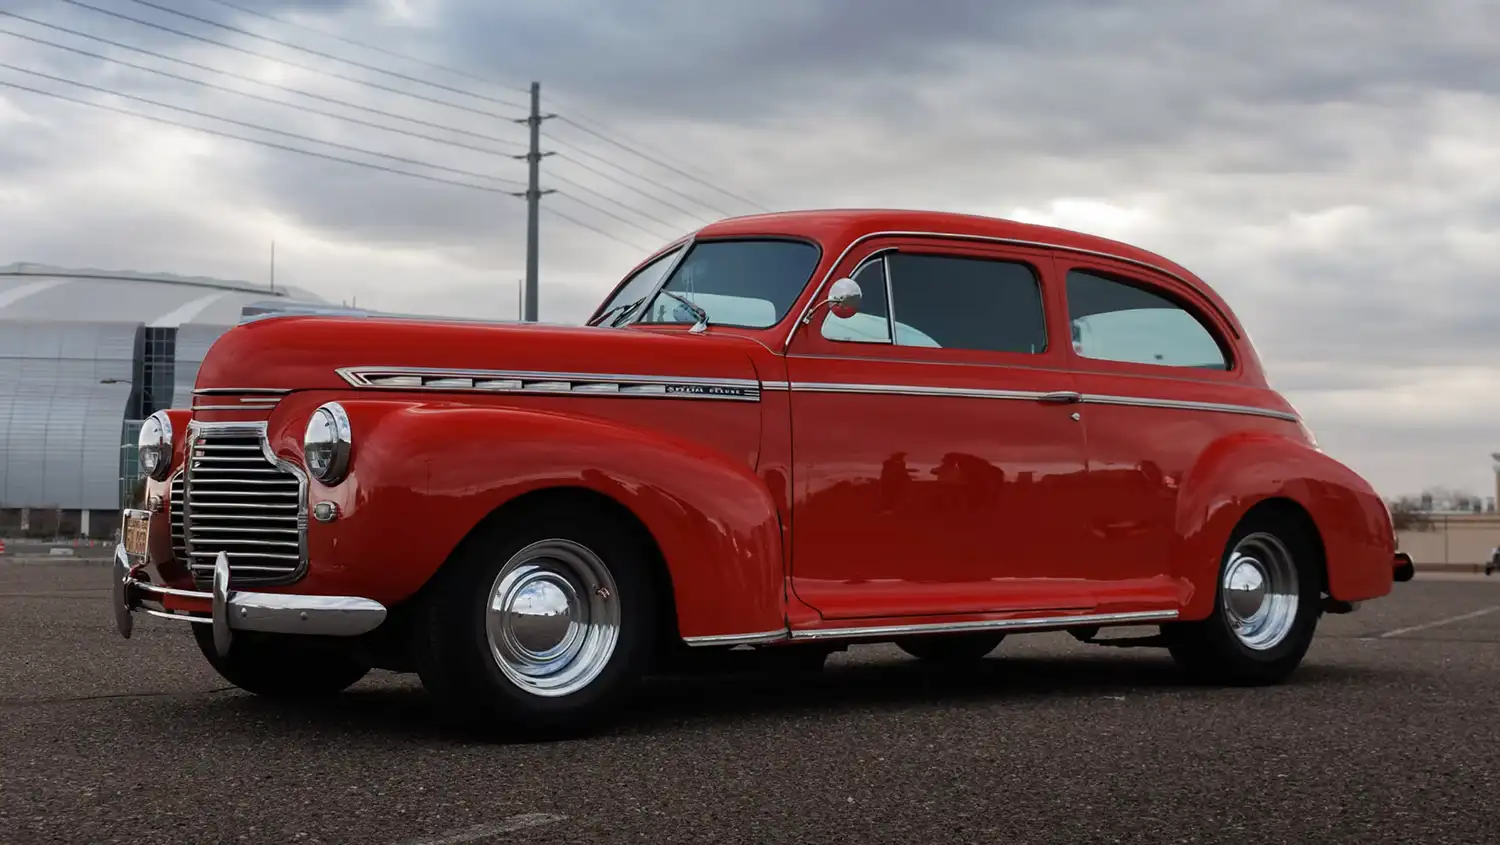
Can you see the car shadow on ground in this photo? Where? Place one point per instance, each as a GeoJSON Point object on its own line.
{"type": "Point", "coordinates": [708, 700]}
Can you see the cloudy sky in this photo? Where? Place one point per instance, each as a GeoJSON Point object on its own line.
{"type": "Point", "coordinates": [1331, 167]}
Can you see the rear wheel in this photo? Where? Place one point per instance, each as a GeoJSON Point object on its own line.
{"type": "Point", "coordinates": [543, 622]}
{"type": "Point", "coordinates": [281, 667]}
{"type": "Point", "coordinates": [950, 649]}
{"type": "Point", "coordinates": [1266, 607]}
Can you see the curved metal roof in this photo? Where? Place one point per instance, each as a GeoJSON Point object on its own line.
{"type": "Point", "coordinates": [34, 292]}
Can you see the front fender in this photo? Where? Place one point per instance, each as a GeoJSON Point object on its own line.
{"type": "Point", "coordinates": [425, 474]}
{"type": "Point", "coordinates": [1240, 472]}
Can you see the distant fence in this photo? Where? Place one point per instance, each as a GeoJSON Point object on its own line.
{"type": "Point", "coordinates": [1457, 541]}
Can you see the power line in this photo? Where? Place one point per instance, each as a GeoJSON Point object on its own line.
{"type": "Point", "coordinates": [270, 100]}
{"type": "Point", "coordinates": [242, 77]}
{"type": "Point", "coordinates": [626, 147]}
{"type": "Point", "coordinates": [595, 156]}
{"type": "Point", "coordinates": [619, 138]}
{"type": "Point", "coordinates": [576, 222]}
{"type": "Point", "coordinates": [353, 43]}
{"type": "Point", "coordinates": [605, 212]}
{"type": "Point", "coordinates": [270, 58]}
{"type": "Point", "coordinates": [260, 128]}
{"type": "Point", "coordinates": [465, 74]}
{"type": "Point", "coordinates": [603, 175]}
{"type": "Point", "coordinates": [273, 145]}
{"type": "Point", "coordinates": [312, 52]}
{"type": "Point", "coordinates": [607, 198]}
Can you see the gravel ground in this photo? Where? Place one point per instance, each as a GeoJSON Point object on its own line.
{"type": "Point", "coordinates": [1390, 733]}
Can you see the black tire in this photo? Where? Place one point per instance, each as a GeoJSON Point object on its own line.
{"type": "Point", "coordinates": [950, 650]}
{"type": "Point", "coordinates": [1210, 650]}
{"type": "Point", "coordinates": [283, 668]}
{"type": "Point", "coordinates": [452, 644]}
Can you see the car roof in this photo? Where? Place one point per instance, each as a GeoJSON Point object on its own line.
{"type": "Point", "coordinates": [846, 225]}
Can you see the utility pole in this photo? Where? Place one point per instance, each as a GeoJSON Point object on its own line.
{"type": "Point", "coordinates": [533, 197]}
{"type": "Point", "coordinates": [273, 266]}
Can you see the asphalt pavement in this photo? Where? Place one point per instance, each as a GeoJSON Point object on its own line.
{"type": "Point", "coordinates": [1390, 733]}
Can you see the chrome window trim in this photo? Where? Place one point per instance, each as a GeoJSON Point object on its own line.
{"type": "Point", "coordinates": [880, 631]}
{"type": "Point", "coordinates": [629, 386]}
{"type": "Point", "coordinates": [987, 239]}
{"type": "Point", "coordinates": [884, 256]}
{"type": "Point", "coordinates": [246, 429]}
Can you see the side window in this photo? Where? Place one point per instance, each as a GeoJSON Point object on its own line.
{"type": "Point", "coordinates": [641, 283]}
{"type": "Point", "coordinates": [1115, 321]}
{"type": "Point", "coordinates": [873, 322]}
{"type": "Point", "coordinates": [956, 302]}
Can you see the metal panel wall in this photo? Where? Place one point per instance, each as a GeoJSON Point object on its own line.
{"type": "Point", "coordinates": [60, 422]}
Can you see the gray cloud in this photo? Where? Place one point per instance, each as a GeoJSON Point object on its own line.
{"type": "Point", "coordinates": [1329, 167]}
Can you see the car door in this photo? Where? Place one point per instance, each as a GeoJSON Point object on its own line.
{"type": "Point", "coordinates": [1160, 386]}
{"type": "Point", "coordinates": [937, 467]}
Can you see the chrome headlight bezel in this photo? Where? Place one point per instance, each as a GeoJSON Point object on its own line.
{"type": "Point", "coordinates": [153, 447]}
{"type": "Point", "coordinates": [327, 444]}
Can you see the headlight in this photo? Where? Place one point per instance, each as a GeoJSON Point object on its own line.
{"type": "Point", "coordinates": [326, 445]}
{"type": "Point", "coordinates": [154, 447]}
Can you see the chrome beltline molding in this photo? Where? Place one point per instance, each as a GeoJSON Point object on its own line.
{"type": "Point", "coordinates": [976, 393]}
{"type": "Point", "coordinates": [873, 631]}
{"type": "Point", "coordinates": [550, 383]}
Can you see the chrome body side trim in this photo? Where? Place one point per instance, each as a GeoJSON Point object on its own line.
{"type": "Point", "coordinates": [953, 236]}
{"type": "Point", "coordinates": [535, 382]}
{"type": "Point", "coordinates": [1184, 405]}
{"type": "Point", "coordinates": [248, 406]}
{"type": "Point", "coordinates": [914, 390]}
{"type": "Point", "coordinates": [235, 610]}
{"type": "Point", "coordinates": [1143, 616]}
{"type": "Point", "coordinates": [739, 639]}
{"type": "Point", "coordinates": [242, 391]}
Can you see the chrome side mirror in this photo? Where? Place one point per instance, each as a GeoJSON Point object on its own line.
{"type": "Point", "coordinates": [844, 297]}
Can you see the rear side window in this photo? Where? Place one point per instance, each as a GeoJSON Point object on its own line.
{"type": "Point", "coordinates": [954, 302]}
{"type": "Point", "coordinates": [1112, 320]}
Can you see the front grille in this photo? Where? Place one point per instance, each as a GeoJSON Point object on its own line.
{"type": "Point", "coordinates": [174, 512]}
{"type": "Point", "coordinates": [238, 502]}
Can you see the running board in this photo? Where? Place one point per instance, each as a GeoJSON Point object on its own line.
{"type": "Point", "coordinates": [873, 632]}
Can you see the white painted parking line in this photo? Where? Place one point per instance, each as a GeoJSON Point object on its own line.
{"type": "Point", "coordinates": [485, 831]}
{"type": "Point", "coordinates": [1439, 623]}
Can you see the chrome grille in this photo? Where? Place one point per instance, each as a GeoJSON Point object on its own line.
{"type": "Point", "coordinates": [174, 513]}
{"type": "Point", "coordinates": [239, 501]}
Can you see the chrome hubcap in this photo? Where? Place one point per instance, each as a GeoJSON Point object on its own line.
{"type": "Point", "coordinates": [1260, 591]}
{"type": "Point", "coordinates": [553, 618]}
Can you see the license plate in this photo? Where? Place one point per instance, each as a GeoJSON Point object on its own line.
{"type": "Point", "coordinates": [135, 530]}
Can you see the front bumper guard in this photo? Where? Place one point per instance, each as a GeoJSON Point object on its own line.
{"type": "Point", "coordinates": [237, 610]}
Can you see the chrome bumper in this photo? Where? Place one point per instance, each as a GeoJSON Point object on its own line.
{"type": "Point", "coordinates": [236, 610]}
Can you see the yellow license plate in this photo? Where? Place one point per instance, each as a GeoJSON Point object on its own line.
{"type": "Point", "coordinates": [136, 532]}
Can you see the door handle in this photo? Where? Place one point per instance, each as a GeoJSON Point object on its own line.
{"type": "Point", "coordinates": [1061, 397]}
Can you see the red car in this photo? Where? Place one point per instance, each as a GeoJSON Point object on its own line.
{"type": "Point", "coordinates": [793, 432]}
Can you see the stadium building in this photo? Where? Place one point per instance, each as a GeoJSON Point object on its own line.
{"type": "Point", "coordinates": [85, 357]}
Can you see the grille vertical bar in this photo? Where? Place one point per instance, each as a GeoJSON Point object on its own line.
{"type": "Point", "coordinates": [174, 511]}
{"type": "Point", "coordinates": [240, 500]}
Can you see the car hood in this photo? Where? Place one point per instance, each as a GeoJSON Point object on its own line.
{"type": "Point", "coordinates": [333, 352]}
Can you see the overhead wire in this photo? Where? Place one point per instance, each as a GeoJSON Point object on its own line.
{"type": "Point", "coordinates": [247, 94]}
{"type": "Point", "coordinates": [623, 169]}
{"type": "Point", "coordinates": [261, 142]}
{"type": "Point", "coordinates": [270, 58]}
{"type": "Point", "coordinates": [260, 128]}
{"type": "Point", "coordinates": [243, 77]}
{"type": "Point", "coordinates": [603, 175]}
{"type": "Point", "coordinates": [630, 208]}
{"type": "Point", "coordinates": [474, 77]}
{"type": "Point", "coordinates": [372, 68]}
{"type": "Point", "coordinates": [576, 222]}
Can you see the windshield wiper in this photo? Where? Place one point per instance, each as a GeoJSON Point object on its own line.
{"type": "Point", "coordinates": [618, 311]}
{"type": "Point", "coordinates": [698, 312]}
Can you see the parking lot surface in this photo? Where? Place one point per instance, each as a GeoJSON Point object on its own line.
{"type": "Point", "coordinates": [1389, 733]}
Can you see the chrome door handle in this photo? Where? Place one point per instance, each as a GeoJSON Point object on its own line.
{"type": "Point", "coordinates": [1061, 397]}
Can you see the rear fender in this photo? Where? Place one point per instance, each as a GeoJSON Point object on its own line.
{"type": "Point", "coordinates": [425, 475]}
{"type": "Point", "coordinates": [1238, 473]}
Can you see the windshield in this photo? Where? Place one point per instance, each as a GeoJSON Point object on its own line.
{"type": "Point", "coordinates": [642, 283]}
{"type": "Point", "coordinates": [745, 283]}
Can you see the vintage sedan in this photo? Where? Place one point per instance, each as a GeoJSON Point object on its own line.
{"type": "Point", "coordinates": [789, 433]}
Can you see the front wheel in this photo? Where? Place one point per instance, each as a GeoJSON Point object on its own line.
{"type": "Point", "coordinates": [276, 667]}
{"type": "Point", "coordinates": [1266, 607]}
{"type": "Point", "coordinates": [540, 622]}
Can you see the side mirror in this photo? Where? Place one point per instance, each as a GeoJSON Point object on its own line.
{"type": "Point", "coordinates": [844, 297]}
